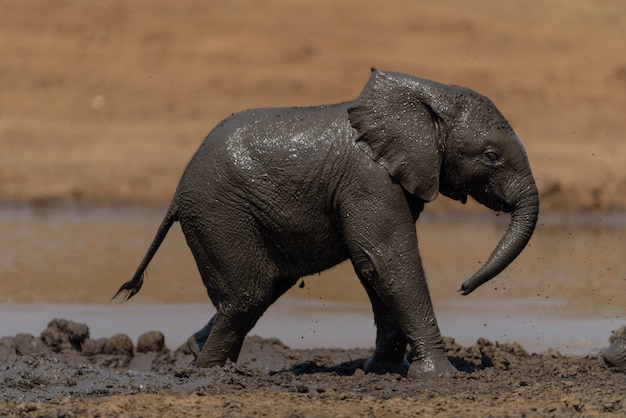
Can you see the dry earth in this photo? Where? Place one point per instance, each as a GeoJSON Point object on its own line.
{"type": "Point", "coordinates": [105, 102]}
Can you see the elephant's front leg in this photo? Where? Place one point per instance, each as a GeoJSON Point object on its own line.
{"type": "Point", "coordinates": [385, 254]}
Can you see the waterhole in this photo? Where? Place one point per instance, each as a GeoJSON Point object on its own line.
{"type": "Point", "coordinates": [567, 290]}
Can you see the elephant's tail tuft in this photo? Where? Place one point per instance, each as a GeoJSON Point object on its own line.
{"type": "Point", "coordinates": [132, 287]}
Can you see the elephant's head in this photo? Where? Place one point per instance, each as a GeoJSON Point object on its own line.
{"type": "Point", "coordinates": [433, 138]}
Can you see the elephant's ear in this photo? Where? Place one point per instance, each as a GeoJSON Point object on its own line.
{"type": "Point", "coordinates": [398, 128]}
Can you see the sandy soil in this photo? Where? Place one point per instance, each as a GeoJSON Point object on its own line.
{"type": "Point", "coordinates": [105, 102]}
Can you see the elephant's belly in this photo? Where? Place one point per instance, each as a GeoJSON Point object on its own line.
{"type": "Point", "coordinates": [299, 253]}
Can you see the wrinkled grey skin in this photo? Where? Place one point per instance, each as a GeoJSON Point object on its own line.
{"type": "Point", "coordinates": [273, 195]}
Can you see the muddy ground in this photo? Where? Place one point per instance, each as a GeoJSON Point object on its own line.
{"type": "Point", "coordinates": [62, 373]}
{"type": "Point", "coordinates": [103, 103]}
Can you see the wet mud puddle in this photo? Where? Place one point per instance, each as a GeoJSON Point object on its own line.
{"type": "Point", "coordinates": [566, 290]}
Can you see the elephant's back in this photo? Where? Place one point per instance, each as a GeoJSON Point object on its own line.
{"type": "Point", "coordinates": [269, 134]}
{"type": "Point", "coordinates": [290, 143]}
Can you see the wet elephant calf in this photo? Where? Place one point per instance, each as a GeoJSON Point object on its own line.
{"type": "Point", "coordinates": [275, 194]}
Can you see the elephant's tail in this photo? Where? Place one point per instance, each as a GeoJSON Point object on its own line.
{"type": "Point", "coordinates": [132, 287]}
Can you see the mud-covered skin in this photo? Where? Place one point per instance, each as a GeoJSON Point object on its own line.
{"type": "Point", "coordinates": [275, 194]}
{"type": "Point", "coordinates": [493, 379]}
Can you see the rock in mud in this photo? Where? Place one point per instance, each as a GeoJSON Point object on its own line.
{"type": "Point", "coordinates": [119, 344]}
{"type": "Point", "coordinates": [114, 352]}
{"type": "Point", "coordinates": [7, 349]}
{"type": "Point", "coordinates": [21, 345]}
{"type": "Point", "coordinates": [153, 341]}
{"type": "Point", "coordinates": [63, 335]}
{"type": "Point", "coordinates": [26, 344]}
{"type": "Point", "coordinates": [93, 347]}
{"type": "Point", "coordinates": [483, 354]}
{"type": "Point", "coordinates": [615, 355]}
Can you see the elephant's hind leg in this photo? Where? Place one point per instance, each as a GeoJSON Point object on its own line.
{"type": "Point", "coordinates": [237, 277]}
{"type": "Point", "coordinates": [223, 343]}
{"type": "Point", "coordinates": [242, 291]}
{"type": "Point", "coordinates": [231, 326]}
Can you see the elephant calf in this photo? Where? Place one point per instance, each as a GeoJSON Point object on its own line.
{"type": "Point", "coordinates": [275, 194]}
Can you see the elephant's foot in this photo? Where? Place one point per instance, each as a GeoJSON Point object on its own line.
{"type": "Point", "coordinates": [205, 360]}
{"type": "Point", "coordinates": [431, 366]}
{"type": "Point", "coordinates": [210, 357]}
{"type": "Point", "coordinates": [376, 365]}
{"type": "Point", "coordinates": [193, 347]}
{"type": "Point", "coordinates": [196, 342]}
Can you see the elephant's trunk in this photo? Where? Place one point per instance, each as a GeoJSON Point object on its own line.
{"type": "Point", "coordinates": [521, 226]}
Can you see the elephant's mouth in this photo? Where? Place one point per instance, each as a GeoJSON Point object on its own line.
{"type": "Point", "coordinates": [490, 196]}
{"type": "Point", "coordinates": [498, 205]}
{"type": "Point", "coordinates": [492, 202]}
{"type": "Point", "coordinates": [461, 197]}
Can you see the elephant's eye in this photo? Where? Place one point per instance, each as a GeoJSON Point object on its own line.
{"type": "Point", "coordinates": [493, 158]}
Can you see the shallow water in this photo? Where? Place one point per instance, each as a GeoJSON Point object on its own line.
{"type": "Point", "coordinates": [567, 289]}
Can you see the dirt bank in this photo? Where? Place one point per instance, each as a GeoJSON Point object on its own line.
{"type": "Point", "coordinates": [62, 373]}
{"type": "Point", "coordinates": [106, 102]}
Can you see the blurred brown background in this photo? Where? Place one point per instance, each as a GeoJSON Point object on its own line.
{"type": "Point", "coordinates": [105, 102]}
